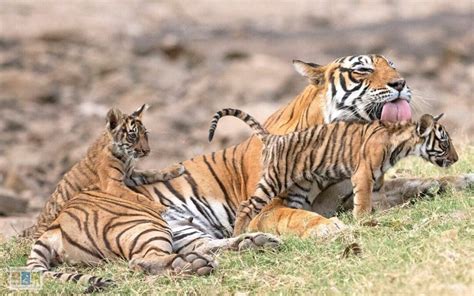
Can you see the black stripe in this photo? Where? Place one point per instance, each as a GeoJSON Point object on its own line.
{"type": "Point", "coordinates": [77, 245]}
{"type": "Point", "coordinates": [174, 192]}
{"type": "Point", "coordinates": [221, 186]}
{"type": "Point", "coordinates": [144, 244]}
{"type": "Point", "coordinates": [76, 277]}
{"type": "Point", "coordinates": [135, 241]}
{"type": "Point", "coordinates": [75, 218]}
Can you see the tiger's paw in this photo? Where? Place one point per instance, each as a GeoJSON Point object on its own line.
{"type": "Point", "coordinates": [193, 262]}
{"type": "Point", "coordinates": [326, 229]}
{"type": "Point", "coordinates": [256, 240]}
{"type": "Point", "coordinates": [177, 170]}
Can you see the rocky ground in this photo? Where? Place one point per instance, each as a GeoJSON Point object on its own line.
{"type": "Point", "coordinates": [63, 64]}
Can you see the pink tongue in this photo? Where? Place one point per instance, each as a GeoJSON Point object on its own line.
{"type": "Point", "coordinates": [396, 111]}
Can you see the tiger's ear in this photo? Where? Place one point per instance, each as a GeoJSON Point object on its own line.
{"type": "Point", "coordinates": [425, 125]}
{"type": "Point", "coordinates": [139, 112]}
{"type": "Point", "coordinates": [314, 72]}
{"type": "Point", "coordinates": [436, 118]}
{"type": "Point", "coordinates": [114, 118]}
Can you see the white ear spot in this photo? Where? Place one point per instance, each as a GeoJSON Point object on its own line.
{"type": "Point", "coordinates": [302, 68]}
{"type": "Point", "coordinates": [144, 107]}
{"type": "Point", "coordinates": [436, 118]}
{"type": "Point", "coordinates": [139, 111]}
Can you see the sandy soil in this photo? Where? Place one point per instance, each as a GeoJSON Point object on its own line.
{"type": "Point", "coordinates": [63, 64]}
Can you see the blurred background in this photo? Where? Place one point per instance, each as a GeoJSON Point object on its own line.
{"type": "Point", "coordinates": [63, 64]}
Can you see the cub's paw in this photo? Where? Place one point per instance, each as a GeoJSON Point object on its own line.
{"type": "Point", "coordinates": [177, 170]}
{"type": "Point", "coordinates": [325, 229]}
{"type": "Point", "coordinates": [462, 181]}
{"type": "Point", "coordinates": [193, 262]}
{"type": "Point", "coordinates": [257, 240]}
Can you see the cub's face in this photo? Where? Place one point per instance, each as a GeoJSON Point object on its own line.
{"type": "Point", "coordinates": [362, 88]}
{"type": "Point", "coordinates": [437, 146]}
{"type": "Point", "coordinates": [128, 132]}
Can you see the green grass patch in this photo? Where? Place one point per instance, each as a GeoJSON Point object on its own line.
{"type": "Point", "coordinates": [421, 248]}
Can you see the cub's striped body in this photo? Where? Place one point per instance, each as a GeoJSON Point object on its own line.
{"type": "Point", "coordinates": [95, 226]}
{"type": "Point", "coordinates": [108, 165]}
{"type": "Point", "coordinates": [328, 153]}
{"type": "Point", "coordinates": [102, 218]}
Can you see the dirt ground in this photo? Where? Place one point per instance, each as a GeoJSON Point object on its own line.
{"type": "Point", "coordinates": [63, 64]}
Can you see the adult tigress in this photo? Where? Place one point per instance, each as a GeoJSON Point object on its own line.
{"type": "Point", "coordinates": [202, 203]}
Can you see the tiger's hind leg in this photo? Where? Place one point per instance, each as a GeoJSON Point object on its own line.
{"type": "Point", "coordinates": [150, 250]}
{"type": "Point", "coordinates": [148, 247]}
{"type": "Point", "coordinates": [277, 218]}
{"type": "Point", "coordinates": [267, 188]}
{"type": "Point", "coordinates": [48, 250]}
{"type": "Point", "coordinates": [401, 190]}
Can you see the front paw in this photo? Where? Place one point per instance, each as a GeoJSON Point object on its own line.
{"type": "Point", "coordinates": [256, 240]}
{"type": "Point", "coordinates": [361, 212]}
{"type": "Point", "coordinates": [177, 170]}
{"type": "Point", "coordinates": [325, 228]}
{"type": "Point", "coordinates": [181, 169]}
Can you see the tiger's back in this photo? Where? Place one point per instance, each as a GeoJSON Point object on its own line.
{"type": "Point", "coordinates": [81, 176]}
{"type": "Point", "coordinates": [95, 225]}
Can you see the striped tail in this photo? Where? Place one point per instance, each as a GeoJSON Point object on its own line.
{"type": "Point", "coordinates": [28, 232]}
{"type": "Point", "coordinates": [40, 258]}
{"type": "Point", "coordinates": [260, 131]}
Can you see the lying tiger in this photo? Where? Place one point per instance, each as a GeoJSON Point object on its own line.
{"type": "Point", "coordinates": [360, 87]}
{"type": "Point", "coordinates": [108, 165]}
{"type": "Point", "coordinates": [108, 220]}
{"type": "Point", "coordinates": [328, 153]}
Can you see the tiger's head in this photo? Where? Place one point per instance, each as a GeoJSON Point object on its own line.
{"type": "Point", "coordinates": [436, 146]}
{"type": "Point", "coordinates": [362, 88]}
{"type": "Point", "coordinates": [127, 132]}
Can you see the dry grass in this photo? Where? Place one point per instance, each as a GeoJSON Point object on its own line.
{"type": "Point", "coordinates": [424, 248]}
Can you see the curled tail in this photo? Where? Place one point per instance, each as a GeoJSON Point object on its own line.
{"type": "Point", "coordinates": [40, 260]}
{"type": "Point", "coordinates": [260, 131]}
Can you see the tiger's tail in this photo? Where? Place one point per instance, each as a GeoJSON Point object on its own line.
{"type": "Point", "coordinates": [40, 260]}
{"type": "Point", "coordinates": [260, 131]}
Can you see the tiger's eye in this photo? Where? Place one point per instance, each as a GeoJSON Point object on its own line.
{"type": "Point", "coordinates": [444, 144]}
{"type": "Point", "coordinates": [363, 70]}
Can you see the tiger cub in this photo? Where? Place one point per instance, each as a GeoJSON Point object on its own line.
{"type": "Point", "coordinates": [108, 165]}
{"type": "Point", "coordinates": [106, 219]}
{"type": "Point", "coordinates": [328, 153]}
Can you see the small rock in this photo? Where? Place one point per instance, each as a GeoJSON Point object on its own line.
{"type": "Point", "coordinates": [14, 182]}
{"type": "Point", "coordinates": [11, 203]}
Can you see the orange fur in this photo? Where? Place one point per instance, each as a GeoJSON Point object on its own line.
{"type": "Point", "coordinates": [107, 167]}
{"type": "Point", "coordinates": [311, 160]}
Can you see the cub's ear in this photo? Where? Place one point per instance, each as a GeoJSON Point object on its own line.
{"type": "Point", "coordinates": [436, 118]}
{"type": "Point", "coordinates": [425, 125]}
{"type": "Point", "coordinates": [139, 112]}
{"type": "Point", "coordinates": [314, 72]}
{"type": "Point", "coordinates": [114, 118]}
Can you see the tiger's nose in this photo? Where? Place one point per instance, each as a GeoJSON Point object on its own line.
{"type": "Point", "coordinates": [454, 158]}
{"type": "Point", "coordinates": [398, 84]}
